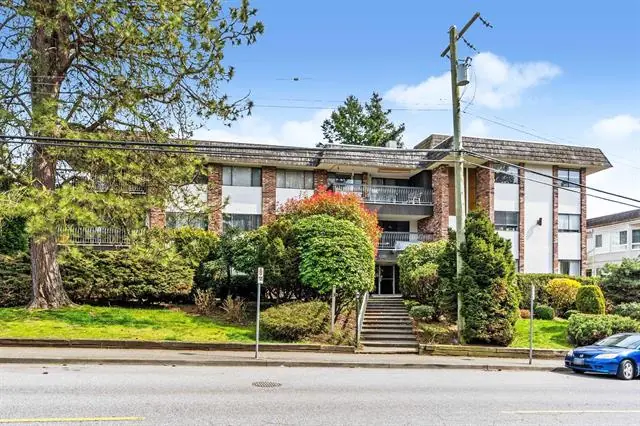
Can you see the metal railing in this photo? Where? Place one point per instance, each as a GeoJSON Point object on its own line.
{"type": "Point", "coordinates": [361, 307]}
{"type": "Point", "coordinates": [93, 237]}
{"type": "Point", "coordinates": [383, 194]}
{"type": "Point", "coordinates": [400, 240]}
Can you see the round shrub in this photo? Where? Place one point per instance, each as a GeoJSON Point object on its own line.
{"type": "Point", "coordinates": [631, 310]}
{"type": "Point", "coordinates": [422, 312]}
{"type": "Point", "coordinates": [590, 300]}
{"type": "Point", "coordinates": [570, 312]}
{"type": "Point", "coordinates": [544, 312]}
{"type": "Point", "coordinates": [525, 313]}
{"type": "Point", "coordinates": [292, 322]}
{"type": "Point", "coordinates": [585, 329]}
{"type": "Point", "coordinates": [562, 293]}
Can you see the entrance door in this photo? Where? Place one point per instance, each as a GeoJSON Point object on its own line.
{"type": "Point", "coordinates": [386, 279]}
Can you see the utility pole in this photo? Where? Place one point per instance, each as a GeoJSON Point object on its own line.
{"type": "Point", "coordinates": [461, 213]}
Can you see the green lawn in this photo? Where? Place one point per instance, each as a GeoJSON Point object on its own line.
{"type": "Point", "coordinates": [547, 334]}
{"type": "Point", "coordinates": [90, 322]}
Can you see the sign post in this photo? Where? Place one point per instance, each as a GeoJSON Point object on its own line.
{"type": "Point", "coordinates": [260, 282]}
{"type": "Point", "coordinates": [533, 296]}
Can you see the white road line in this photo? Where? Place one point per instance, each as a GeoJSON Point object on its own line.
{"type": "Point", "coordinates": [572, 412]}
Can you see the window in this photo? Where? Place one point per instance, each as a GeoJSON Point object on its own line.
{"type": "Point", "coordinates": [569, 223]}
{"type": "Point", "coordinates": [570, 267]}
{"type": "Point", "coordinates": [506, 221]}
{"type": "Point", "coordinates": [389, 181]}
{"type": "Point", "coordinates": [345, 179]}
{"type": "Point", "coordinates": [506, 174]}
{"type": "Point", "coordinates": [635, 239]}
{"type": "Point", "coordinates": [599, 240]}
{"type": "Point", "coordinates": [622, 238]}
{"type": "Point", "coordinates": [243, 222]}
{"type": "Point", "coordinates": [186, 220]}
{"type": "Point", "coordinates": [294, 179]}
{"type": "Point", "coordinates": [571, 178]}
{"type": "Point", "coordinates": [589, 273]}
{"type": "Point", "coordinates": [241, 176]}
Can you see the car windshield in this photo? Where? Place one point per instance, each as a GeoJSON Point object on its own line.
{"type": "Point", "coordinates": [621, 341]}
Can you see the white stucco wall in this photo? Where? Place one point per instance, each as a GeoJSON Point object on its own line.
{"type": "Point", "coordinates": [242, 199]}
{"type": "Point", "coordinates": [513, 237]}
{"type": "Point", "coordinates": [285, 194]}
{"type": "Point", "coordinates": [506, 197]}
{"type": "Point", "coordinates": [188, 198]}
{"type": "Point", "coordinates": [568, 245]}
{"type": "Point", "coordinates": [452, 222]}
{"type": "Point", "coordinates": [568, 202]}
{"type": "Point", "coordinates": [413, 226]}
{"type": "Point", "coordinates": [538, 202]}
{"type": "Point", "coordinates": [611, 252]}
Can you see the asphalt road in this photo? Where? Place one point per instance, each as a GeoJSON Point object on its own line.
{"type": "Point", "coordinates": [149, 395]}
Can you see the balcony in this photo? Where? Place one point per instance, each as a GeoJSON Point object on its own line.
{"type": "Point", "coordinates": [393, 200]}
{"type": "Point", "coordinates": [398, 241]}
{"type": "Point", "coordinates": [94, 237]}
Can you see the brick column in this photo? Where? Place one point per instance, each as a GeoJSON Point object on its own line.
{"type": "Point", "coordinates": [485, 190]}
{"type": "Point", "coordinates": [554, 221]}
{"type": "Point", "coordinates": [157, 218]}
{"type": "Point", "coordinates": [320, 178]}
{"type": "Point", "coordinates": [521, 213]}
{"type": "Point", "coordinates": [268, 195]}
{"type": "Point", "coordinates": [583, 222]}
{"type": "Point", "coordinates": [214, 198]}
{"type": "Point", "coordinates": [438, 223]}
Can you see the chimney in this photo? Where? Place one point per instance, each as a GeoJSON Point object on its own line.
{"type": "Point", "coordinates": [392, 144]}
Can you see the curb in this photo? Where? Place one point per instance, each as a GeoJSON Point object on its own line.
{"type": "Point", "coordinates": [490, 352]}
{"type": "Point", "coordinates": [170, 345]}
{"type": "Point", "coordinates": [276, 363]}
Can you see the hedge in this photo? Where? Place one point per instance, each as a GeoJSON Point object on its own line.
{"type": "Point", "coordinates": [544, 312]}
{"type": "Point", "coordinates": [419, 277]}
{"type": "Point", "coordinates": [422, 312]}
{"type": "Point", "coordinates": [292, 322]}
{"type": "Point", "coordinates": [631, 310]}
{"type": "Point", "coordinates": [13, 236]}
{"type": "Point", "coordinates": [621, 283]}
{"type": "Point", "coordinates": [15, 280]}
{"type": "Point", "coordinates": [584, 329]}
{"type": "Point", "coordinates": [562, 293]}
{"type": "Point", "coordinates": [590, 300]}
{"type": "Point", "coordinates": [524, 282]}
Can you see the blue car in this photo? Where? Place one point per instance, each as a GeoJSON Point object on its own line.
{"type": "Point", "coordinates": [617, 355]}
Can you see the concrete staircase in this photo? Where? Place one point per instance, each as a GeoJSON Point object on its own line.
{"type": "Point", "coordinates": [387, 327]}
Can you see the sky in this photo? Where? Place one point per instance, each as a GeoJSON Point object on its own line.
{"type": "Point", "coordinates": [561, 71]}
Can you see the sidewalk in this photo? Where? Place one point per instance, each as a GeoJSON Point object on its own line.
{"type": "Point", "coordinates": [36, 355]}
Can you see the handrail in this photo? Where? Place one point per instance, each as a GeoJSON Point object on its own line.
{"type": "Point", "coordinates": [360, 319]}
{"type": "Point", "coordinates": [387, 194]}
{"type": "Point", "coordinates": [391, 240]}
{"type": "Point", "coordinates": [94, 236]}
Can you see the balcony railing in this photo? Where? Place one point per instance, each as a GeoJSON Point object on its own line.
{"type": "Point", "coordinates": [94, 237]}
{"type": "Point", "coordinates": [398, 241]}
{"type": "Point", "coordinates": [383, 194]}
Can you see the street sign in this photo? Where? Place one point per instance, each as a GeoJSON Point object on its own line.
{"type": "Point", "coordinates": [260, 275]}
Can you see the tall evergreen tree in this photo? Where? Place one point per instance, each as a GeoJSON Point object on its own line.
{"type": "Point", "coordinates": [355, 124]}
{"type": "Point", "coordinates": [111, 69]}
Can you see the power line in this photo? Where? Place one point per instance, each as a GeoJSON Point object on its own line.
{"type": "Point", "coordinates": [333, 107]}
{"type": "Point", "coordinates": [486, 157]}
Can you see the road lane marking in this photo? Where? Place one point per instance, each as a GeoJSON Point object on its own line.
{"type": "Point", "coordinates": [73, 419]}
{"type": "Point", "coordinates": [571, 412]}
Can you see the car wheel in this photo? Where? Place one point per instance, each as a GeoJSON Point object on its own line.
{"type": "Point", "coordinates": [575, 370]}
{"type": "Point", "coordinates": [626, 370]}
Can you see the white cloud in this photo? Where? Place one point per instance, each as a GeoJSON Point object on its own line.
{"type": "Point", "coordinates": [496, 83]}
{"type": "Point", "coordinates": [620, 126]}
{"type": "Point", "coordinates": [254, 129]}
{"type": "Point", "coordinates": [476, 127]}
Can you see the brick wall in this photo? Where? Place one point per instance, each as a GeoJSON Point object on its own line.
{"type": "Point", "coordinates": [157, 218]}
{"type": "Point", "coordinates": [485, 190]}
{"type": "Point", "coordinates": [438, 223]}
{"type": "Point", "coordinates": [554, 221]}
{"type": "Point", "coordinates": [268, 194]}
{"type": "Point", "coordinates": [583, 222]}
{"type": "Point", "coordinates": [320, 178]}
{"type": "Point", "coordinates": [521, 224]}
{"type": "Point", "coordinates": [214, 198]}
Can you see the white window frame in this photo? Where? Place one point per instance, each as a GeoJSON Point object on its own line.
{"type": "Point", "coordinates": [635, 245]}
{"type": "Point", "coordinates": [507, 225]}
{"type": "Point", "coordinates": [255, 176]}
{"type": "Point", "coordinates": [228, 218]}
{"type": "Point", "coordinates": [570, 178]}
{"type": "Point", "coordinates": [283, 174]}
{"type": "Point", "coordinates": [569, 228]}
{"type": "Point", "coordinates": [598, 237]}
{"type": "Point", "coordinates": [506, 174]}
{"type": "Point", "coordinates": [572, 262]}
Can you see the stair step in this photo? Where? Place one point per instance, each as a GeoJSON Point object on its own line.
{"type": "Point", "coordinates": [388, 330]}
{"type": "Point", "coordinates": [391, 343]}
{"type": "Point", "coordinates": [405, 337]}
{"type": "Point", "coordinates": [379, 350]}
{"type": "Point", "coordinates": [395, 322]}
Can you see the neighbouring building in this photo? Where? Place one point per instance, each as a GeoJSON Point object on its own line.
{"type": "Point", "coordinates": [612, 238]}
{"type": "Point", "coordinates": [412, 192]}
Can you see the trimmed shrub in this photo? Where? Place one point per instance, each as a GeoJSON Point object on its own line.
{"type": "Point", "coordinates": [570, 313]}
{"type": "Point", "coordinates": [437, 334]}
{"type": "Point", "coordinates": [590, 300]}
{"type": "Point", "coordinates": [15, 280]}
{"type": "Point", "coordinates": [544, 312]}
{"type": "Point", "coordinates": [621, 283]}
{"type": "Point", "coordinates": [334, 252]}
{"type": "Point", "coordinates": [525, 313]}
{"type": "Point", "coordinates": [562, 293]}
{"type": "Point", "coordinates": [295, 321]}
{"type": "Point", "coordinates": [631, 310]}
{"type": "Point", "coordinates": [419, 277]}
{"type": "Point", "coordinates": [525, 281]}
{"type": "Point", "coordinates": [422, 312]}
{"type": "Point", "coordinates": [585, 329]}
{"type": "Point", "coordinates": [490, 295]}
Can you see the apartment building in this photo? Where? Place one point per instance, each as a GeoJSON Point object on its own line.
{"type": "Point", "coordinates": [612, 238]}
{"type": "Point", "coordinates": [537, 202]}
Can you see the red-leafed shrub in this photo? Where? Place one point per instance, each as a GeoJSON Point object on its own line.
{"type": "Point", "coordinates": [347, 206]}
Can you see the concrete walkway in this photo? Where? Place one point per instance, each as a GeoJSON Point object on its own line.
{"type": "Point", "coordinates": [36, 355]}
